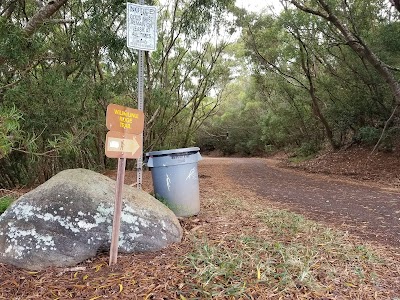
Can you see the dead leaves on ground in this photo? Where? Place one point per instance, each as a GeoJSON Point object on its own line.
{"type": "Point", "coordinates": [162, 275]}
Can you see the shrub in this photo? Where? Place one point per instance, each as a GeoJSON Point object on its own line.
{"type": "Point", "coordinates": [368, 135]}
{"type": "Point", "coordinates": [308, 149]}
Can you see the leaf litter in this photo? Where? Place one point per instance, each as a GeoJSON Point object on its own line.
{"type": "Point", "coordinates": [240, 246]}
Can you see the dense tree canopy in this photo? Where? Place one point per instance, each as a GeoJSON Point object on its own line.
{"type": "Point", "coordinates": [326, 73]}
{"type": "Point", "coordinates": [316, 74]}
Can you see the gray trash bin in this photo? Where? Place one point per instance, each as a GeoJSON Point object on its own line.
{"type": "Point", "coordinates": [175, 179]}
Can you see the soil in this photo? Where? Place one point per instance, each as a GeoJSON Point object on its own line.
{"type": "Point", "coordinates": [357, 163]}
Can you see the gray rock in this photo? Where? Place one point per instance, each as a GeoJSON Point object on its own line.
{"type": "Point", "coordinates": [68, 219]}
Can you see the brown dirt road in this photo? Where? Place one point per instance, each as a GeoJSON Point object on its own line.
{"type": "Point", "coordinates": [369, 211]}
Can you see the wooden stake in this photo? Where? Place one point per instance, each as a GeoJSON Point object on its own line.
{"type": "Point", "coordinates": [117, 211]}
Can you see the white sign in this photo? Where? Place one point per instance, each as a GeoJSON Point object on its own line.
{"type": "Point", "coordinates": [141, 27]}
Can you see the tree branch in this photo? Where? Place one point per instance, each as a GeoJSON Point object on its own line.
{"type": "Point", "coordinates": [266, 62]}
{"type": "Point", "coordinates": [8, 9]}
{"type": "Point", "coordinates": [356, 44]}
{"type": "Point", "coordinates": [59, 21]}
{"type": "Point", "coordinates": [23, 73]}
{"type": "Point", "coordinates": [384, 128]}
{"type": "Point", "coordinates": [309, 10]}
{"type": "Point", "coordinates": [42, 15]}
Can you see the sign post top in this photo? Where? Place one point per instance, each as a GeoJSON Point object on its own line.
{"type": "Point", "coordinates": [141, 23]}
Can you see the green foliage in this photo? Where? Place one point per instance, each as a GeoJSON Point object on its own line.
{"type": "Point", "coordinates": [369, 135]}
{"type": "Point", "coordinates": [387, 36]}
{"type": "Point", "coordinates": [57, 81]}
{"type": "Point", "coordinates": [236, 127]}
{"type": "Point", "coordinates": [308, 149]}
{"type": "Point", "coordinates": [15, 49]}
{"type": "Point", "coordinates": [5, 202]}
{"type": "Point", "coordinates": [386, 43]}
{"type": "Point", "coordinates": [288, 82]}
{"type": "Point", "coordinates": [314, 88]}
{"type": "Point", "coordinates": [199, 15]}
{"type": "Point", "coordinates": [9, 129]}
{"type": "Point", "coordinates": [62, 78]}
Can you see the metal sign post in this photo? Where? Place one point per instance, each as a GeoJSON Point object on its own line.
{"type": "Point", "coordinates": [139, 162]}
{"type": "Point", "coordinates": [141, 35]}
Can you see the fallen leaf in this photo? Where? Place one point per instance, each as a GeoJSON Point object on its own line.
{"type": "Point", "coordinates": [349, 284]}
{"type": "Point", "coordinates": [32, 273]}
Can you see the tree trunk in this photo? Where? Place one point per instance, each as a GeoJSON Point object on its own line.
{"type": "Point", "coordinates": [305, 64]}
{"type": "Point", "coordinates": [357, 44]}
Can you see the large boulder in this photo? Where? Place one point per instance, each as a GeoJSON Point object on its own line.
{"type": "Point", "coordinates": [68, 219]}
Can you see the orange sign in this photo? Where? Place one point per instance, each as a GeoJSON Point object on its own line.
{"type": "Point", "coordinates": [124, 119]}
{"type": "Point", "coordinates": [123, 145]}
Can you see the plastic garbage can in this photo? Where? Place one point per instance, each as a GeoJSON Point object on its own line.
{"type": "Point", "coordinates": [175, 179]}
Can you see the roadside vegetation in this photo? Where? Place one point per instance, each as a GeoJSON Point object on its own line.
{"type": "Point", "coordinates": [312, 76]}
{"type": "Point", "coordinates": [4, 203]}
{"type": "Point", "coordinates": [221, 78]}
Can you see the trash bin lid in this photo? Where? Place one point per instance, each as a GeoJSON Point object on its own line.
{"type": "Point", "coordinates": [173, 151]}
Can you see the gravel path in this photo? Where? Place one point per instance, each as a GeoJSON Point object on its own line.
{"type": "Point", "coordinates": [370, 212]}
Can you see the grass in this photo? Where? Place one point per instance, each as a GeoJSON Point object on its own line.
{"type": "Point", "coordinates": [217, 270]}
{"type": "Point", "coordinates": [292, 256]}
{"type": "Point", "coordinates": [301, 158]}
{"type": "Point", "coordinates": [5, 202]}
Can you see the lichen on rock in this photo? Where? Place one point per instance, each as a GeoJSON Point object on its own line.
{"type": "Point", "coordinates": [68, 219]}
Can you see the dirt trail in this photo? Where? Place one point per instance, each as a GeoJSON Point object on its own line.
{"type": "Point", "coordinates": [371, 212]}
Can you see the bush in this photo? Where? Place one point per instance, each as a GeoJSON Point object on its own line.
{"type": "Point", "coordinates": [368, 135]}
{"type": "Point", "coordinates": [308, 149]}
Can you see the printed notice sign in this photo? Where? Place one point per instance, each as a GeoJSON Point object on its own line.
{"type": "Point", "coordinates": [141, 27]}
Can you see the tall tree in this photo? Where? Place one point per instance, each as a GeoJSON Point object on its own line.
{"type": "Point", "coordinates": [340, 16]}
{"type": "Point", "coordinates": [185, 69]}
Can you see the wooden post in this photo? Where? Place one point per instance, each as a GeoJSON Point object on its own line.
{"type": "Point", "coordinates": [117, 211]}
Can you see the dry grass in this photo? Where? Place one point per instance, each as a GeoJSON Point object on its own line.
{"type": "Point", "coordinates": [239, 247]}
